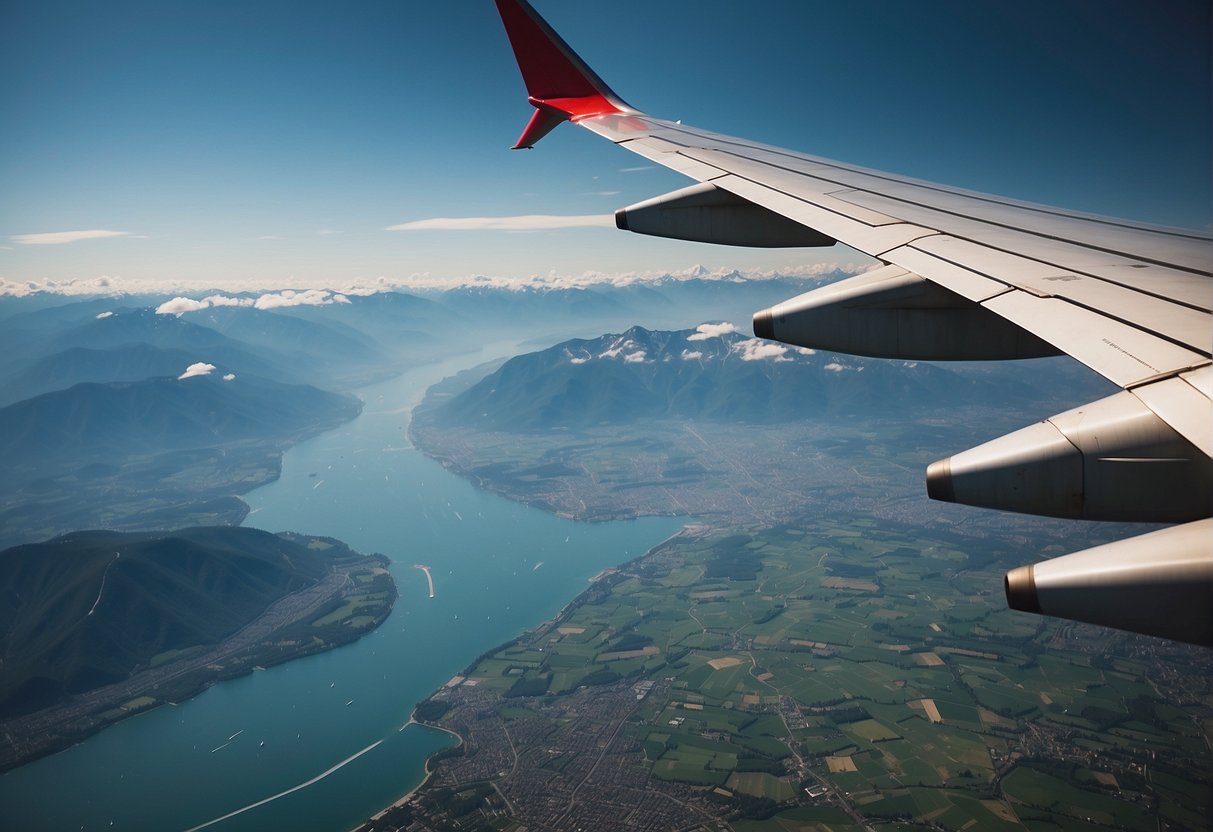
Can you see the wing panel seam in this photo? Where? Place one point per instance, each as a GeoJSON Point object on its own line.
{"type": "Point", "coordinates": [929, 186]}
{"type": "Point", "coordinates": [992, 223]}
{"type": "Point", "coordinates": [1073, 302]}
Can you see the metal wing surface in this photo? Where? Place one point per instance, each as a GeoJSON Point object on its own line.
{"type": "Point", "coordinates": [970, 276]}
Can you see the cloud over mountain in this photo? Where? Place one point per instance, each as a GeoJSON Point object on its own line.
{"type": "Point", "coordinates": [705, 331]}
{"type": "Point", "coordinates": [199, 368]}
{"type": "Point", "coordinates": [272, 300]}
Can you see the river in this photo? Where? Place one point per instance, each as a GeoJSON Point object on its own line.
{"type": "Point", "coordinates": [497, 568]}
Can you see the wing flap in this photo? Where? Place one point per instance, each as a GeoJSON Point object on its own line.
{"type": "Point", "coordinates": [962, 281]}
{"type": "Point", "coordinates": [1181, 403]}
{"type": "Point", "coordinates": [1187, 326]}
{"type": "Point", "coordinates": [1123, 354]}
{"type": "Point", "coordinates": [1163, 246]}
{"type": "Point", "coordinates": [1151, 278]}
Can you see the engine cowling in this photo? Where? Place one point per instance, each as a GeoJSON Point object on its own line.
{"type": "Point", "coordinates": [1159, 584]}
{"type": "Point", "coordinates": [1112, 459]}
{"type": "Point", "coordinates": [704, 213]}
{"type": "Point", "coordinates": [894, 313]}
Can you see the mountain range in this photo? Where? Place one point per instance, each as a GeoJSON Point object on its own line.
{"type": "Point", "coordinates": [92, 422]}
{"type": "Point", "coordinates": [711, 373]}
{"type": "Point", "coordinates": [329, 340]}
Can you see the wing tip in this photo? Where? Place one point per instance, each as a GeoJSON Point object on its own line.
{"type": "Point", "coordinates": [560, 85]}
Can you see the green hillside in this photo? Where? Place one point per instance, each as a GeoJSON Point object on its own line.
{"type": "Point", "coordinates": [113, 421]}
{"type": "Point", "coordinates": [88, 608]}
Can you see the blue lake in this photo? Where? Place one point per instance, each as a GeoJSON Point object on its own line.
{"type": "Point", "coordinates": [498, 568]}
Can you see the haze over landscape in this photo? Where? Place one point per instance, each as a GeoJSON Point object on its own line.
{"type": "Point", "coordinates": [350, 457]}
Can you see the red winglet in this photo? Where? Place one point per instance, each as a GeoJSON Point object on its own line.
{"type": "Point", "coordinates": [560, 85]}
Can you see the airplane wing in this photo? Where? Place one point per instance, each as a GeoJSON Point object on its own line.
{"type": "Point", "coordinates": [969, 276]}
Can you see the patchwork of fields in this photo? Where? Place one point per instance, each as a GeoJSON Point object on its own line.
{"type": "Point", "coordinates": [820, 676]}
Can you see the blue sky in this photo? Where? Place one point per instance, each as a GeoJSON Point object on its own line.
{"type": "Point", "coordinates": [272, 144]}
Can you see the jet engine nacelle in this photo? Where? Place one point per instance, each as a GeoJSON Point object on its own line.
{"type": "Point", "coordinates": [893, 313]}
{"type": "Point", "coordinates": [1112, 459]}
{"type": "Point", "coordinates": [706, 214]}
{"type": "Point", "coordinates": [1160, 584]}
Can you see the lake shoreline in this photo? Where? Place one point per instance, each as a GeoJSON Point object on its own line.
{"type": "Point", "coordinates": [690, 529]}
{"type": "Point", "coordinates": [50, 731]}
{"type": "Point", "coordinates": [404, 799]}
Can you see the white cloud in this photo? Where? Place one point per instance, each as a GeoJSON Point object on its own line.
{"type": "Point", "coordinates": [806, 350]}
{"type": "Point", "coordinates": [600, 193]}
{"type": "Point", "coordinates": [637, 168]}
{"type": "Point", "coordinates": [705, 331]}
{"type": "Point", "coordinates": [289, 297]}
{"type": "Point", "coordinates": [229, 377]}
{"type": "Point", "coordinates": [58, 238]}
{"type": "Point", "coordinates": [271, 300]}
{"type": "Point", "coordinates": [328, 232]}
{"type": "Point", "coordinates": [689, 355]}
{"type": "Point", "coordinates": [637, 357]}
{"type": "Point", "coordinates": [224, 300]}
{"type": "Point", "coordinates": [269, 237]}
{"type": "Point", "coordinates": [101, 315]}
{"type": "Point", "coordinates": [755, 349]}
{"type": "Point", "coordinates": [179, 306]}
{"type": "Point", "coordinates": [578, 360]}
{"type": "Point", "coordinates": [199, 369]}
{"type": "Point", "coordinates": [117, 285]}
{"type": "Point", "coordinates": [529, 222]}
{"type": "Point", "coordinates": [835, 367]}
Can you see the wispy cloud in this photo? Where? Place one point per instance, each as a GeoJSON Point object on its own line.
{"type": "Point", "coordinates": [58, 238]}
{"type": "Point", "coordinates": [328, 232]}
{"type": "Point", "coordinates": [269, 237]}
{"type": "Point", "coordinates": [199, 369]}
{"type": "Point", "coordinates": [637, 168]}
{"type": "Point", "coordinates": [528, 222]}
{"type": "Point", "coordinates": [600, 193]}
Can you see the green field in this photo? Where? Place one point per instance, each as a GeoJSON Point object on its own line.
{"type": "Point", "coordinates": [753, 648]}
